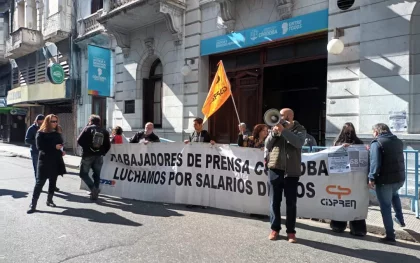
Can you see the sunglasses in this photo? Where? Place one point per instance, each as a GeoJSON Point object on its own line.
{"type": "Point", "coordinates": [54, 121]}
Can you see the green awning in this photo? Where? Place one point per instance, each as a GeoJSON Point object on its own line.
{"type": "Point", "coordinates": [5, 110]}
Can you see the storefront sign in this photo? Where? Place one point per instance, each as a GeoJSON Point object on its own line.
{"type": "Point", "coordinates": [47, 91]}
{"type": "Point", "coordinates": [55, 73]}
{"type": "Point", "coordinates": [292, 27]}
{"type": "Point", "coordinates": [99, 73]}
{"type": "Point", "coordinates": [18, 111]}
{"type": "Point", "coordinates": [17, 95]}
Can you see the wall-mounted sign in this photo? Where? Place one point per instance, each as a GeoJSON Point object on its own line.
{"type": "Point", "coordinates": [17, 95]}
{"type": "Point", "coordinates": [18, 111]}
{"type": "Point", "coordinates": [292, 27]}
{"type": "Point", "coordinates": [398, 121]}
{"type": "Point", "coordinates": [55, 73]}
{"type": "Point", "coordinates": [99, 73]}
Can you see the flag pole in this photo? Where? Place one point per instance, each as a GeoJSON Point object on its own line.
{"type": "Point", "coordinates": [234, 105]}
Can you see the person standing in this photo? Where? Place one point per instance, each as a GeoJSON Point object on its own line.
{"type": "Point", "coordinates": [284, 145]}
{"type": "Point", "coordinates": [145, 136]}
{"type": "Point", "coordinates": [95, 144]}
{"type": "Point", "coordinates": [346, 138]}
{"type": "Point", "coordinates": [117, 137]}
{"type": "Point", "coordinates": [30, 139]}
{"type": "Point", "coordinates": [257, 139]}
{"type": "Point", "coordinates": [199, 134]}
{"type": "Point", "coordinates": [50, 163]}
{"type": "Point", "coordinates": [387, 176]}
{"type": "Point", "coordinates": [243, 135]}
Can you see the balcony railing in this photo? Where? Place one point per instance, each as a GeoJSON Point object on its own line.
{"type": "Point", "coordinates": [22, 42]}
{"type": "Point", "coordinates": [57, 27]}
{"type": "Point", "coordinates": [117, 3]}
{"type": "Point", "coordinates": [91, 23]}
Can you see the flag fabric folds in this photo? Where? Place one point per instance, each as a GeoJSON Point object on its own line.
{"type": "Point", "coordinates": [219, 92]}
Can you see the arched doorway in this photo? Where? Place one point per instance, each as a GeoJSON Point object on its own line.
{"type": "Point", "coordinates": [152, 95]}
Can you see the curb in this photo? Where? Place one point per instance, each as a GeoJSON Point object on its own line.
{"type": "Point", "coordinates": [406, 235]}
{"type": "Point", "coordinates": [29, 158]}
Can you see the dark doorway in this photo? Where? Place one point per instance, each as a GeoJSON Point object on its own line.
{"type": "Point", "coordinates": [18, 129]}
{"type": "Point", "coordinates": [99, 108]}
{"type": "Point", "coordinates": [301, 87]}
{"type": "Point", "coordinates": [152, 95]}
{"type": "Point", "coordinates": [291, 73]}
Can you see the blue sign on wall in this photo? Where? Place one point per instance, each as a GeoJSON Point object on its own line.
{"type": "Point", "coordinates": [291, 27]}
{"type": "Point", "coordinates": [99, 72]}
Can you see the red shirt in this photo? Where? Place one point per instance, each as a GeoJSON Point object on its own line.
{"type": "Point", "coordinates": [117, 139]}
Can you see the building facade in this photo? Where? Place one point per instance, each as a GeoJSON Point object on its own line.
{"type": "Point", "coordinates": [6, 119]}
{"type": "Point", "coordinates": [164, 54]}
{"type": "Point", "coordinates": [40, 47]}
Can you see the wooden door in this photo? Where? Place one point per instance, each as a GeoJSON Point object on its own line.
{"type": "Point", "coordinates": [247, 97]}
{"type": "Point", "coordinates": [223, 125]}
{"type": "Point", "coordinates": [223, 121]}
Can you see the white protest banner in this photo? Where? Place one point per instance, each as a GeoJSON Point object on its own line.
{"type": "Point", "coordinates": [227, 177]}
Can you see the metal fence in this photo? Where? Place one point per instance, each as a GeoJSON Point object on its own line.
{"type": "Point", "coordinates": [411, 186]}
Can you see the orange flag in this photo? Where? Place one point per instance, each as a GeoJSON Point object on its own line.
{"type": "Point", "coordinates": [218, 94]}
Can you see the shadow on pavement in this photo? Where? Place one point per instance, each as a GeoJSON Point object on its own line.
{"type": "Point", "coordinates": [93, 216]}
{"type": "Point", "coordinates": [132, 206]}
{"type": "Point", "coordinates": [13, 193]}
{"type": "Point", "coordinates": [365, 254]}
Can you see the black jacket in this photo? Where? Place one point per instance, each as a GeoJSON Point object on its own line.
{"type": "Point", "coordinates": [86, 137]}
{"type": "Point", "coordinates": [142, 135]}
{"type": "Point", "coordinates": [50, 162]}
{"type": "Point", "coordinates": [30, 137]}
{"type": "Point", "coordinates": [203, 136]}
{"type": "Point", "coordinates": [387, 160]}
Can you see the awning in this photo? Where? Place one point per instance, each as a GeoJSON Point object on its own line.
{"type": "Point", "coordinates": [5, 110]}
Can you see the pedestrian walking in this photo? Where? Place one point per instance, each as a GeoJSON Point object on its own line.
{"type": "Point", "coordinates": [50, 165]}
{"type": "Point", "coordinates": [95, 144]}
{"type": "Point", "coordinates": [387, 176]}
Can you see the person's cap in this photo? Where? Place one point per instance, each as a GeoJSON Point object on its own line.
{"type": "Point", "coordinates": [39, 117]}
{"type": "Point", "coordinates": [242, 124]}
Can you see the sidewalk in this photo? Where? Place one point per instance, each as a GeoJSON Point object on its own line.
{"type": "Point", "coordinates": [72, 162]}
{"type": "Point", "coordinates": [374, 221]}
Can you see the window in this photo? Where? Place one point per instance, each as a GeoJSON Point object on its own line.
{"type": "Point", "coordinates": [152, 96]}
{"type": "Point", "coordinates": [96, 5]}
{"type": "Point", "coordinates": [129, 106]}
{"type": "Point", "coordinates": [345, 4]}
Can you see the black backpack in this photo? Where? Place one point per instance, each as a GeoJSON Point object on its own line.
{"type": "Point", "coordinates": [97, 139]}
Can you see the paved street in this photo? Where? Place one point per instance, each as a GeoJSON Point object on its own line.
{"type": "Point", "coordinates": [116, 230]}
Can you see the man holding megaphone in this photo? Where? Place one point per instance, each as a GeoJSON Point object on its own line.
{"type": "Point", "coordinates": [284, 145]}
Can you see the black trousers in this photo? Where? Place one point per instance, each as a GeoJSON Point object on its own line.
{"type": "Point", "coordinates": [357, 227]}
{"type": "Point", "coordinates": [40, 182]}
{"type": "Point", "coordinates": [289, 185]}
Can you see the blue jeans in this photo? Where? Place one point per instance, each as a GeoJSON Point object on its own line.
{"type": "Point", "coordinates": [276, 187]}
{"type": "Point", "coordinates": [94, 163]}
{"type": "Point", "coordinates": [34, 156]}
{"type": "Point", "coordinates": [388, 196]}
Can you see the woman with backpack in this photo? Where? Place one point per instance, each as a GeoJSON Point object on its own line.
{"type": "Point", "coordinates": [50, 161]}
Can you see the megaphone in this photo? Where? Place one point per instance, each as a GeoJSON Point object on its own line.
{"type": "Point", "coordinates": [272, 117]}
